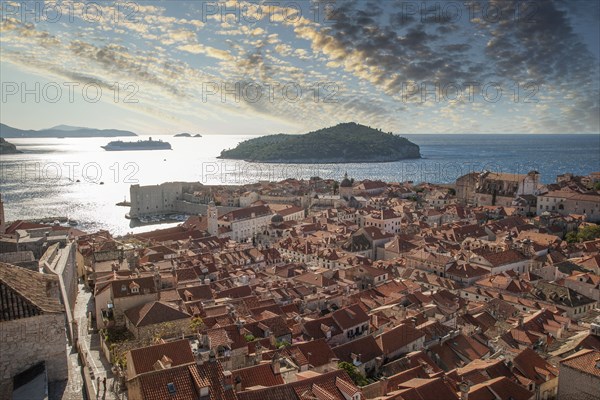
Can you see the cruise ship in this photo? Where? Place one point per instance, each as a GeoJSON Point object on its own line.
{"type": "Point", "coordinates": [149, 144]}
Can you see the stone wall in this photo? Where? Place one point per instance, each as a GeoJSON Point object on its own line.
{"type": "Point", "coordinates": [166, 198]}
{"type": "Point", "coordinates": [28, 341]}
{"type": "Point", "coordinates": [575, 385]}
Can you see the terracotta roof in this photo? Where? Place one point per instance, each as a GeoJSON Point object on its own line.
{"type": "Point", "coordinates": [502, 388]}
{"type": "Point", "coordinates": [533, 367]}
{"type": "Point", "coordinates": [425, 389]}
{"type": "Point", "coordinates": [585, 361]}
{"type": "Point", "coordinates": [25, 293]}
{"type": "Point", "coordinates": [123, 287]}
{"type": "Point", "coordinates": [335, 385]}
{"type": "Point", "coordinates": [350, 316]}
{"type": "Point", "coordinates": [504, 257]}
{"type": "Point", "coordinates": [245, 213]}
{"type": "Point", "coordinates": [196, 292]}
{"type": "Point", "coordinates": [143, 359]}
{"type": "Point", "coordinates": [320, 352]}
{"type": "Point", "coordinates": [178, 383]}
{"type": "Point", "coordinates": [366, 348]}
{"type": "Point", "coordinates": [398, 337]}
{"type": "Point", "coordinates": [154, 312]}
{"type": "Point", "coordinates": [261, 374]}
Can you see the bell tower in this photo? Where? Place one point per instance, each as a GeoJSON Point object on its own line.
{"type": "Point", "coordinates": [213, 219]}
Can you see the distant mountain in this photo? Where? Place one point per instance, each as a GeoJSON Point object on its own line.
{"type": "Point", "coordinates": [343, 143]}
{"type": "Point", "coordinates": [8, 148]}
{"type": "Point", "coordinates": [60, 131]}
{"type": "Point", "coordinates": [66, 128]}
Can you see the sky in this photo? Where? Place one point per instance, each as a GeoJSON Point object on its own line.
{"type": "Point", "coordinates": [262, 67]}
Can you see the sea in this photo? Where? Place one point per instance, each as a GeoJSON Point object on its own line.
{"type": "Point", "coordinates": [77, 179]}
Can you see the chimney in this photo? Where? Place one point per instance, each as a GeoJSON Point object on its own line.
{"type": "Point", "coordinates": [227, 380]}
{"type": "Point", "coordinates": [464, 390]}
{"type": "Point", "coordinates": [384, 385]}
{"type": "Point", "coordinates": [238, 384]}
{"type": "Point", "coordinates": [276, 365]}
{"type": "Point", "coordinates": [521, 321]}
{"type": "Point", "coordinates": [598, 363]}
{"type": "Point", "coordinates": [510, 366]}
{"type": "Point", "coordinates": [240, 325]}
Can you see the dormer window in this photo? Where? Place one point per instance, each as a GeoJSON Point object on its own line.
{"type": "Point", "coordinates": [135, 289]}
{"type": "Point", "coordinates": [123, 288]}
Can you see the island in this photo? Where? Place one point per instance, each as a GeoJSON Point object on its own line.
{"type": "Point", "coordinates": [61, 131]}
{"type": "Point", "coordinates": [187, 135]}
{"type": "Point", "coordinates": [8, 148]}
{"type": "Point", "coordinates": [343, 143]}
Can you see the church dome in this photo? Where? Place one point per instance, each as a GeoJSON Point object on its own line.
{"type": "Point", "coordinates": [346, 182]}
{"type": "Point", "coordinates": [276, 219]}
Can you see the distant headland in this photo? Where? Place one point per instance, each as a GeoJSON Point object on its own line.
{"type": "Point", "coordinates": [343, 143]}
{"type": "Point", "coordinates": [8, 148]}
{"type": "Point", "coordinates": [61, 131]}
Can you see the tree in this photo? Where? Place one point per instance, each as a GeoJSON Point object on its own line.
{"type": "Point", "coordinates": [597, 186]}
{"type": "Point", "coordinates": [358, 378]}
{"type": "Point", "coordinates": [589, 232]}
{"type": "Point", "coordinates": [571, 237]}
{"type": "Point", "coordinates": [335, 187]}
{"type": "Point", "coordinates": [196, 324]}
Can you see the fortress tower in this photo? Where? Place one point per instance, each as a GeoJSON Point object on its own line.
{"type": "Point", "coordinates": [213, 221]}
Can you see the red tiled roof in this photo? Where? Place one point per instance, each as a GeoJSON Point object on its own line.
{"type": "Point", "coordinates": [261, 374]}
{"type": "Point", "coordinates": [142, 360]}
{"type": "Point", "coordinates": [154, 312]}
{"type": "Point", "coordinates": [365, 347]}
{"type": "Point", "coordinates": [502, 388]}
{"type": "Point", "coordinates": [398, 337]}
{"type": "Point", "coordinates": [324, 386]}
{"type": "Point", "coordinates": [585, 361]}
{"type": "Point", "coordinates": [178, 383]}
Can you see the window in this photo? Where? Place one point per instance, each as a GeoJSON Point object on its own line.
{"type": "Point", "coordinates": [171, 388]}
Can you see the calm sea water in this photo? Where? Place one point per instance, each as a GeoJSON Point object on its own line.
{"type": "Point", "coordinates": [62, 177]}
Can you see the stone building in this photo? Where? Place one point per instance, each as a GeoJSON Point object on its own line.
{"type": "Point", "coordinates": [32, 329]}
{"type": "Point", "coordinates": [495, 188]}
{"type": "Point", "coordinates": [579, 376]}
{"type": "Point", "coordinates": [154, 199]}
{"type": "Point", "coordinates": [567, 203]}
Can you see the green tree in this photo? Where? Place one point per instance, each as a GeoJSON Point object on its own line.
{"type": "Point", "coordinates": [358, 378]}
{"type": "Point", "coordinates": [571, 237]}
{"type": "Point", "coordinates": [589, 232]}
{"type": "Point", "coordinates": [196, 324]}
{"type": "Point", "coordinates": [597, 186]}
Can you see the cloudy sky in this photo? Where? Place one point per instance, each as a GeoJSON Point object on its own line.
{"type": "Point", "coordinates": [257, 67]}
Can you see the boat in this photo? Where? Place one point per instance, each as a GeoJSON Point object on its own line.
{"type": "Point", "coordinates": [73, 222]}
{"type": "Point", "coordinates": [149, 144]}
